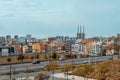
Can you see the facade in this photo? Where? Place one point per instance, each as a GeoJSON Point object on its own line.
{"type": "Point", "coordinates": [108, 47]}
{"type": "Point", "coordinates": [60, 37]}
{"type": "Point", "coordinates": [67, 38]}
{"type": "Point", "coordinates": [28, 36]}
{"type": "Point", "coordinates": [29, 45]}
{"type": "Point", "coordinates": [22, 40]}
{"type": "Point", "coordinates": [8, 37]}
{"type": "Point", "coordinates": [2, 41]}
{"type": "Point", "coordinates": [16, 37]}
{"type": "Point", "coordinates": [7, 50]}
{"type": "Point", "coordinates": [43, 47]}
{"type": "Point", "coordinates": [36, 47]}
{"type": "Point", "coordinates": [96, 48]}
{"type": "Point", "coordinates": [78, 48]}
{"type": "Point", "coordinates": [66, 48]}
{"type": "Point", "coordinates": [24, 49]}
{"type": "Point", "coordinates": [75, 48]}
{"type": "Point", "coordinates": [18, 48]}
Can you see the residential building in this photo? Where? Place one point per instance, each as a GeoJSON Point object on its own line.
{"type": "Point", "coordinates": [60, 37]}
{"type": "Point", "coordinates": [22, 40]}
{"type": "Point", "coordinates": [78, 47]}
{"type": "Point", "coordinates": [29, 45]}
{"type": "Point", "coordinates": [28, 36]}
{"type": "Point", "coordinates": [2, 41]}
{"type": "Point", "coordinates": [36, 47]}
{"type": "Point", "coordinates": [96, 50]}
{"type": "Point", "coordinates": [18, 48]}
{"type": "Point", "coordinates": [43, 47]}
{"type": "Point", "coordinates": [7, 50]}
{"type": "Point", "coordinates": [24, 49]}
{"type": "Point", "coordinates": [16, 37]}
{"type": "Point", "coordinates": [66, 48]}
{"type": "Point", "coordinates": [8, 37]}
{"type": "Point", "coordinates": [75, 48]}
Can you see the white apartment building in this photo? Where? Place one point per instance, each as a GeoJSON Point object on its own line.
{"type": "Point", "coordinates": [78, 48]}
{"type": "Point", "coordinates": [96, 47]}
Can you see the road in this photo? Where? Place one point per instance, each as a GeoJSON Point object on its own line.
{"type": "Point", "coordinates": [28, 66]}
{"type": "Point", "coordinates": [7, 77]}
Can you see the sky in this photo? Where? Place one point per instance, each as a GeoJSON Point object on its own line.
{"type": "Point", "coordinates": [47, 18]}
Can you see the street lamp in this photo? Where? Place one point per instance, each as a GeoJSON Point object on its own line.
{"type": "Point", "coordinates": [118, 45]}
{"type": "Point", "coordinates": [72, 70]}
{"type": "Point", "coordinates": [0, 57]}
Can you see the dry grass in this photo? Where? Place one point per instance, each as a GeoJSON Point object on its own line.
{"type": "Point", "coordinates": [27, 58]}
{"type": "Point", "coordinates": [31, 57]}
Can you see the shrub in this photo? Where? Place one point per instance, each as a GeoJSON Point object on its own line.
{"type": "Point", "coordinates": [9, 59]}
{"type": "Point", "coordinates": [54, 56]}
{"type": "Point", "coordinates": [37, 56]}
{"type": "Point", "coordinates": [20, 57]}
{"type": "Point", "coordinates": [26, 57]}
{"type": "Point", "coordinates": [50, 56]}
{"type": "Point", "coordinates": [46, 56]}
{"type": "Point", "coordinates": [32, 57]}
{"type": "Point", "coordinates": [41, 76]}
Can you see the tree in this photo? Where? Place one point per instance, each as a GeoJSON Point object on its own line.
{"type": "Point", "coordinates": [37, 56]}
{"type": "Point", "coordinates": [21, 57]}
{"type": "Point", "coordinates": [89, 46]}
{"type": "Point", "coordinates": [107, 70]}
{"type": "Point", "coordinates": [9, 60]}
{"type": "Point", "coordinates": [67, 67]}
{"type": "Point", "coordinates": [54, 56]}
{"type": "Point", "coordinates": [46, 57]}
{"type": "Point", "coordinates": [51, 67]}
{"type": "Point", "coordinates": [102, 69]}
{"type": "Point", "coordinates": [84, 70]}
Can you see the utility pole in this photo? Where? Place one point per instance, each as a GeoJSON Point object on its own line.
{"type": "Point", "coordinates": [9, 60]}
{"type": "Point", "coordinates": [21, 56]}
{"type": "Point", "coordinates": [10, 71]}
{"type": "Point", "coordinates": [70, 50]}
{"type": "Point", "coordinates": [10, 64]}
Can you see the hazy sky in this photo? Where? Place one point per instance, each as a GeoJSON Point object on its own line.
{"type": "Point", "coordinates": [45, 18]}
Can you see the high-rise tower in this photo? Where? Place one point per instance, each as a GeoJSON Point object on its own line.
{"type": "Point", "coordinates": [78, 33]}
{"type": "Point", "coordinates": [81, 33]}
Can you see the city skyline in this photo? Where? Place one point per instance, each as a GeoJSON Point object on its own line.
{"type": "Point", "coordinates": [47, 18]}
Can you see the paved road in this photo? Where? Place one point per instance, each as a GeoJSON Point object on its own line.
{"type": "Point", "coordinates": [7, 77]}
{"type": "Point", "coordinates": [21, 67]}
{"type": "Point", "coordinates": [42, 65]}
{"type": "Point", "coordinates": [27, 66]}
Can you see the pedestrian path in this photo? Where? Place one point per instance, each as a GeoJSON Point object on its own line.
{"type": "Point", "coordinates": [62, 76]}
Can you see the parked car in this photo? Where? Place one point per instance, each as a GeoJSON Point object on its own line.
{"type": "Point", "coordinates": [61, 59]}
{"type": "Point", "coordinates": [36, 62]}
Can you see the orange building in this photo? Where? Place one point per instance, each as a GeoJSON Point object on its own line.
{"type": "Point", "coordinates": [36, 47]}
{"type": "Point", "coordinates": [43, 47]}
